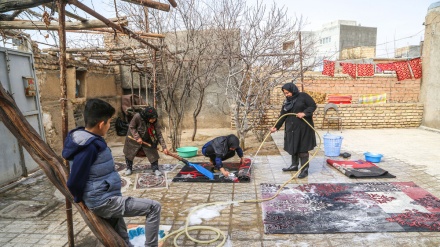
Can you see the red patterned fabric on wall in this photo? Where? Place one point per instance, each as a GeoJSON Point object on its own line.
{"type": "Point", "coordinates": [344, 68]}
{"type": "Point", "coordinates": [365, 70]}
{"type": "Point", "coordinates": [402, 70]}
{"type": "Point", "coordinates": [416, 67]}
{"type": "Point", "coordinates": [386, 66]}
{"type": "Point", "coordinates": [350, 69]}
{"type": "Point", "coordinates": [329, 68]}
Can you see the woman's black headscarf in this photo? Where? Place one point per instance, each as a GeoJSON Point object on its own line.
{"type": "Point", "coordinates": [148, 113]}
{"type": "Point", "coordinates": [233, 141]}
{"type": "Point", "coordinates": [290, 101]}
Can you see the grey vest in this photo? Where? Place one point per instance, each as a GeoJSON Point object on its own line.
{"type": "Point", "coordinates": [104, 182]}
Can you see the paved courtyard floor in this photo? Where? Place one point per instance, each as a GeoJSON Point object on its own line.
{"type": "Point", "coordinates": [409, 154]}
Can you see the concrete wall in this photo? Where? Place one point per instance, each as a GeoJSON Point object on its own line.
{"type": "Point", "coordinates": [336, 36]}
{"type": "Point", "coordinates": [99, 82]}
{"type": "Point", "coordinates": [359, 52]}
{"type": "Point", "coordinates": [408, 51]}
{"type": "Point", "coordinates": [430, 89]}
{"type": "Point", "coordinates": [355, 36]}
{"type": "Point", "coordinates": [215, 111]}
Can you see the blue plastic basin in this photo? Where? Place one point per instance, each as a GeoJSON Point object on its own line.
{"type": "Point", "coordinates": [373, 157]}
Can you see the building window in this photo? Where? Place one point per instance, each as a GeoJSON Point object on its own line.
{"type": "Point", "coordinates": [80, 83]}
{"type": "Point", "coordinates": [325, 40]}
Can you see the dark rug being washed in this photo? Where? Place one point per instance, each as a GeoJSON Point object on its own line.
{"type": "Point", "coordinates": [350, 207]}
{"type": "Point", "coordinates": [190, 174]}
{"type": "Point", "coordinates": [359, 169]}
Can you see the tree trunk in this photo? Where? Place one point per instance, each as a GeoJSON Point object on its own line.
{"type": "Point", "coordinates": [51, 164]}
{"type": "Point", "coordinates": [197, 112]}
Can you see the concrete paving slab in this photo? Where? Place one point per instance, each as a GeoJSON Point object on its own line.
{"type": "Point", "coordinates": [410, 154]}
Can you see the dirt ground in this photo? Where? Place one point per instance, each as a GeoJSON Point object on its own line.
{"type": "Point", "coordinates": [251, 145]}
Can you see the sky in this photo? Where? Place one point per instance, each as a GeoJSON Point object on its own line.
{"type": "Point", "coordinates": [399, 22]}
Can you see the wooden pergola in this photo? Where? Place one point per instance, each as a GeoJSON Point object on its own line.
{"type": "Point", "coordinates": [55, 168]}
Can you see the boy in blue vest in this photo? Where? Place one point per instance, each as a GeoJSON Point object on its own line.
{"type": "Point", "coordinates": [94, 180]}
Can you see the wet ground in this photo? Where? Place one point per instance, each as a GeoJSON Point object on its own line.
{"type": "Point", "coordinates": [32, 211]}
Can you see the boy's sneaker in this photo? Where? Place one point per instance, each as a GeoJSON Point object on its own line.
{"type": "Point", "coordinates": [158, 173]}
{"type": "Point", "coordinates": [128, 172]}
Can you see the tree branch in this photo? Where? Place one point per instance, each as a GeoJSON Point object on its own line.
{"type": "Point", "coordinates": [9, 5]}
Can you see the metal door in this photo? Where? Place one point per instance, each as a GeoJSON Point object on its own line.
{"type": "Point", "coordinates": [16, 68]}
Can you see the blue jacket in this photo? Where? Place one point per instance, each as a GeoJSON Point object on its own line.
{"type": "Point", "coordinates": [218, 150]}
{"type": "Point", "coordinates": [93, 178]}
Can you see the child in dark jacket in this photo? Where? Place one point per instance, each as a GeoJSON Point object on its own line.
{"type": "Point", "coordinates": [222, 148]}
{"type": "Point", "coordinates": [94, 180]}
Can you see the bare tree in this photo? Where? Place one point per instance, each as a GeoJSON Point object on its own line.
{"type": "Point", "coordinates": [185, 65]}
{"type": "Point", "coordinates": [245, 43]}
{"type": "Point", "coordinates": [256, 59]}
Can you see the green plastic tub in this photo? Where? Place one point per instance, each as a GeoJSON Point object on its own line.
{"type": "Point", "coordinates": [187, 152]}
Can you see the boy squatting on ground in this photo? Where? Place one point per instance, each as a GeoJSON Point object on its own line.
{"type": "Point", "coordinates": [94, 180]}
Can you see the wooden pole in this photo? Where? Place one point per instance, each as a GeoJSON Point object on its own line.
{"type": "Point", "coordinates": [64, 117]}
{"type": "Point", "coordinates": [132, 92]}
{"type": "Point", "coordinates": [92, 49]}
{"type": "Point", "coordinates": [151, 4]}
{"type": "Point", "coordinates": [301, 62]}
{"type": "Point", "coordinates": [154, 79]}
{"type": "Point", "coordinates": [173, 3]}
{"type": "Point", "coordinates": [39, 25]}
{"type": "Point", "coordinates": [147, 24]}
{"type": "Point", "coordinates": [147, 100]}
{"type": "Point", "coordinates": [110, 24]}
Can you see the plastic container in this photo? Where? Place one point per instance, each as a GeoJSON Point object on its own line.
{"type": "Point", "coordinates": [373, 157]}
{"type": "Point", "coordinates": [187, 152]}
{"type": "Point", "coordinates": [332, 145]}
{"type": "Point", "coordinates": [340, 99]}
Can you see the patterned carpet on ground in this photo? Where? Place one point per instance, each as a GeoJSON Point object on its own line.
{"type": "Point", "coordinates": [350, 207]}
{"type": "Point", "coordinates": [190, 174]}
{"type": "Point", "coordinates": [143, 176]}
{"type": "Point", "coordinates": [359, 169]}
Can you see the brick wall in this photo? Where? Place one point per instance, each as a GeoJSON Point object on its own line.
{"type": "Point", "coordinates": [406, 91]}
{"type": "Point", "coordinates": [358, 116]}
{"type": "Point", "coordinates": [402, 109]}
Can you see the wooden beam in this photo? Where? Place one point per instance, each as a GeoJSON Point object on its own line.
{"type": "Point", "coordinates": [92, 49]}
{"type": "Point", "coordinates": [37, 25]}
{"type": "Point", "coordinates": [173, 3]}
{"type": "Point", "coordinates": [151, 4]}
{"type": "Point", "coordinates": [111, 24]}
{"type": "Point", "coordinates": [134, 57]}
{"type": "Point", "coordinates": [142, 34]}
{"type": "Point", "coordinates": [9, 5]}
{"type": "Point", "coordinates": [109, 30]}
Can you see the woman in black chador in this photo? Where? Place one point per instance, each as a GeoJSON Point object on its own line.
{"type": "Point", "coordinates": [299, 138]}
